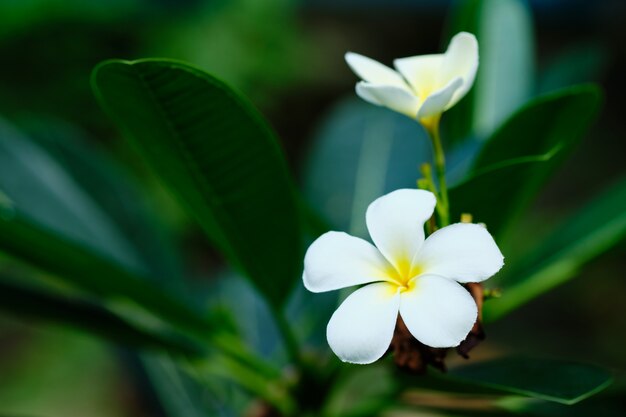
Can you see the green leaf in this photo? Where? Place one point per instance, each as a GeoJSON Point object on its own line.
{"type": "Point", "coordinates": [89, 271]}
{"type": "Point", "coordinates": [48, 221]}
{"type": "Point", "coordinates": [355, 395]}
{"type": "Point", "coordinates": [42, 191]}
{"type": "Point", "coordinates": [580, 63]}
{"type": "Point", "coordinates": [179, 395]}
{"type": "Point", "coordinates": [111, 187]}
{"type": "Point", "coordinates": [505, 78]}
{"type": "Point", "coordinates": [218, 156]}
{"type": "Point", "coordinates": [553, 380]}
{"type": "Point", "coordinates": [589, 232]}
{"type": "Point", "coordinates": [23, 301]}
{"type": "Point", "coordinates": [609, 403]}
{"type": "Point", "coordinates": [519, 157]}
{"type": "Point", "coordinates": [361, 152]}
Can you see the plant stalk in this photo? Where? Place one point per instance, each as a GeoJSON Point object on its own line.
{"type": "Point", "coordinates": [443, 206]}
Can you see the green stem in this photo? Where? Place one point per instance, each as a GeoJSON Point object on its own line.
{"type": "Point", "coordinates": [443, 206]}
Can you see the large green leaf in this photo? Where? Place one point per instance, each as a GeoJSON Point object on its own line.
{"type": "Point", "coordinates": [505, 78]}
{"type": "Point", "coordinates": [590, 231]}
{"type": "Point", "coordinates": [216, 153]}
{"type": "Point", "coordinates": [553, 380]}
{"type": "Point", "coordinates": [519, 157]}
{"type": "Point", "coordinates": [359, 153]}
{"type": "Point", "coordinates": [33, 303]}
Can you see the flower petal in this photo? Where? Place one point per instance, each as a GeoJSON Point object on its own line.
{"type": "Point", "coordinates": [461, 60]}
{"type": "Point", "coordinates": [396, 224]}
{"type": "Point", "coordinates": [373, 71]}
{"type": "Point", "coordinates": [463, 252]}
{"type": "Point", "coordinates": [399, 99]}
{"type": "Point", "coordinates": [361, 329]}
{"type": "Point", "coordinates": [337, 260]}
{"type": "Point", "coordinates": [437, 311]}
{"type": "Point", "coordinates": [438, 101]}
{"type": "Point", "coordinates": [422, 72]}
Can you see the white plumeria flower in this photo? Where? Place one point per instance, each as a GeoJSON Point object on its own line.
{"type": "Point", "coordinates": [423, 86]}
{"type": "Point", "coordinates": [418, 278]}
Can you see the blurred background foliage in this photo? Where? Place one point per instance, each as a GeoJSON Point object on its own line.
{"type": "Point", "coordinates": [287, 56]}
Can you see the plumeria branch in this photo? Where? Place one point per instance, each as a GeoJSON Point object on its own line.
{"type": "Point", "coordinates": [443, 205]}
{"type": "Point", "coordinates": [427, 183]}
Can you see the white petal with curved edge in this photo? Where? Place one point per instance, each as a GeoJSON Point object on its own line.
{"type": "Point", "coordinates": [438, 312]}
{"type": "Point", "coordinates": [464, 252]}
{"type": "Point", "coordinates": [361, 329]}
{"type": "Point", "coordinates": [461, 60]}
{"type": "Point", "coordinates": [438, 101]}
{"type": "Point", "coordinates": [396, 223]}
{"type": "Point", "coordinates": [399, 99]}
{"type": "Point", "coordinates": [422, 72]}
{"type": "Point", "coordinates": [337, 260]}
{"type": "Point", "coordinates": [373, 71]}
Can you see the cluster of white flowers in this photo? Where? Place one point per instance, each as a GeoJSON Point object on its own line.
{"type": "Point", "coordinates": [407, 274]}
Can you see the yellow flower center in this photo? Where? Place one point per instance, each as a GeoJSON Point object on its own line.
{"type": "Point", "coordinates": [403, 274]}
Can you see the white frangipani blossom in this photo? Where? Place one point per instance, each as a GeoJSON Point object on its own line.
{"type": "Point", "coordinates": [406, 274]}
{"type": "Point", "coordinates": [423, 86]}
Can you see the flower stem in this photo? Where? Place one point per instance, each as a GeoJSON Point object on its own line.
{"type": "Point", "coordinates": [443, 207]}
{"type": "Point", "coordinates": [427, 183]}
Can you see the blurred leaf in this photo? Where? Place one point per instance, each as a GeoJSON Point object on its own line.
{"type": "Point", "coordinates": [459, 161]}
{"type": "Point", "coordinates": [360, 153]}
{"type": "Point", "coordinates": [519, 157]}
{"type": "Point", "coordinates": [256, 47]}
{"type": "Point", "coordinates": [217, 154]}
{"type": "Point", "coordinates": [581, 63]}
{"type": "Point", "coordinates": [89, 271]}
{"type": "Point", "coordinates": [253, 319]}
{"type": "Point", "coordinates": [273, 392]}
{"type": "Point", "coordinates": [589, 232]}
{"type": "Point", "coordinates": [23, 301]}
{"type": "Point", "coordinates": [19, 15]}
{"type": "Point", "coordinates": [58, 373]}
{"type": "Point", "coordinates": [361, 392]}
{"type": "Point", "coordinates": [181, 396]}
{"type": "Point", "coordinates": [310, 312]}
{"type": "Point", "coordinates": [48, 221]}
{"type": "Point", "coordinates": [43, 192]}
{"type": "Point", "coordinates": [609, 403]}
{"type": "Point", "coordinates": [505, 78]}
{"type": "Point", "coordinates": [67, 252]}
{"type": "Point", "coordinates": [112, 189]}
{"type": "Point", "coordinates": [553, 380]}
